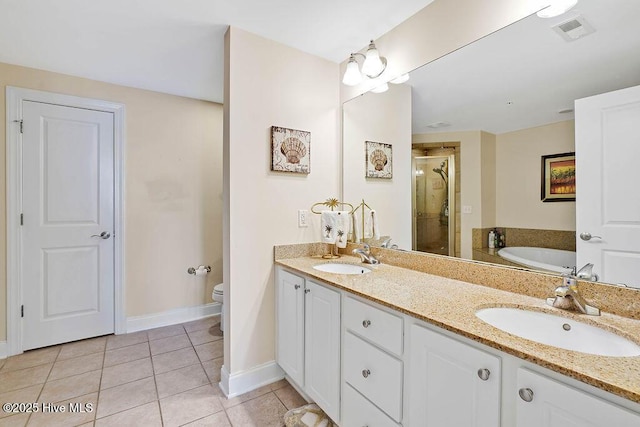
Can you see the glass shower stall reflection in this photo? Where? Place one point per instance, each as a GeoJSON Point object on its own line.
{"type": "Point", "coordinates": [433, 204]}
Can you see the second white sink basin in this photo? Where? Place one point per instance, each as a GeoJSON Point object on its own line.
{"type": "Point", "coordinates": [559, 331]}
{"type": "Point", "coordinates": [341, 268]}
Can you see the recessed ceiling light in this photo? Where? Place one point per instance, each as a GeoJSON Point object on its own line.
{"type": "Point", "coordinates": [556, 8]}
{"type": "Point", "coordinates": [437, 125]}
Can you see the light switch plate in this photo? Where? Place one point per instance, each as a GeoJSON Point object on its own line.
{"type": "Point", "coordinates": [303, 214]}
{"type": "Point", "coordinates": [467, 210]}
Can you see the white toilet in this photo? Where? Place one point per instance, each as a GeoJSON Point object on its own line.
{"type": "Point", "coordinates": [218, 296]}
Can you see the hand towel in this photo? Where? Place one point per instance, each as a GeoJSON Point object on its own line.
{"type": "Point", "coordinates": [328, 226]}
{"type": "Point", "coordinates": [356, 227]}
{"type": "Point", "coordinates": [335, 227]}
{"type": "Point", "coordinates": [343, 223]}
{"type": "Point", "coordinates": [375, 225]}
{"type": "Point", "coordinates": [368, 225]}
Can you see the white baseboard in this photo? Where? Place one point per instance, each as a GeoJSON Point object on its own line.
{"type": "Point", "coordinates": [4, 350]}
{"type": "Point", "coordinates": [236, 384]}
{"type": "Point", "coordinates": [172, 317]}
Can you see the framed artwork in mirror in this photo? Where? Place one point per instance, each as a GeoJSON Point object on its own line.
{"type": "Point", "coordinates": [378, 160]}
{"type": "Point", "coordinates": [290, 150]}
{"type": "Point", "coordinates": [558, 183]}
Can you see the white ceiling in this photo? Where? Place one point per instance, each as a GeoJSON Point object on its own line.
{"type": "Point", "coordinates": [530, 66]}
{"type": "Point", "coordinates": [176, 46]}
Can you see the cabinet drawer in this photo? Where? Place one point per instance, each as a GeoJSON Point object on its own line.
{"type": "Point", "coordinates": [378, 326]}
{"type": "Point", "coordinates": [374, 373]}
{"type": "Point", "coordinates": [358, 411]}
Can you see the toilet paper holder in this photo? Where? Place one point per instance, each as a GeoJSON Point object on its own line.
{"type": "Point", "coordinates": [192, 270]}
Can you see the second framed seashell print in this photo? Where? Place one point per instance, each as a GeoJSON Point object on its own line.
{"type": "Point", "coordinates": [378, 160]}
{"type": "Point", "coordinates": [290, 150]}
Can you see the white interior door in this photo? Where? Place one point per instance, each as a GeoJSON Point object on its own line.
{"type": "Point", "coordinates": [607, 177]}
{"type": "Point", "coordinates": [68, 207]}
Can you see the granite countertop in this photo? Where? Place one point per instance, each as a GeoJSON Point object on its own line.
{"type": "Point", "coordinates": [451, 304]}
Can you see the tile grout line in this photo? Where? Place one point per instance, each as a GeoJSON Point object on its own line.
{"type": "Point", "coordinates": [104, 356]}
{"type": "Point", "coordinates": [155, 382]}
{"type": "Point", "coordinates": [44, 383]}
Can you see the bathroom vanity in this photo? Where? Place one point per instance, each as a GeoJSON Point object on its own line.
{"type": "Point", "coordinates": [395, 346]}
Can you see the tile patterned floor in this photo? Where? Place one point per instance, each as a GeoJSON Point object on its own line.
{"type": "Point", "coordinates": [162, 377]}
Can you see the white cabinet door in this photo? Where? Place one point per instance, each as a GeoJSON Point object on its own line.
{"type": "Point", "coordinates": [290, 324]}
{"type": "Point", "coordinates": [322, 347]}
{"type": "Point", "coordinates": [445, 388]}
{"type": "Point", "coordinates": [553, 404]}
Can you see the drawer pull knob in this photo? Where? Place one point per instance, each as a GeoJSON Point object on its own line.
{"type": "Point", "coordinates": [366, 373]}
{"type": "Point", "coordinates": [366, 323]}
{"type": "Point", "coordinates": [306, 291]}
{"type": "Point", "coordinates": [484, 374]}
{"type": "Point", "coordinates": [526, 394]}
{"type": "Point", "coordinates": [296, 286]}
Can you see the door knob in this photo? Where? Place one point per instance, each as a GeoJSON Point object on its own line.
{"type": "Point", "coordinates": [586, 236]}
{"type": "Point", "coordinates": [104, 235]}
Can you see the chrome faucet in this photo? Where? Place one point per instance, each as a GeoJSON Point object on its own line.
{"type": "Point", "coordinates": [568, 296]}
{"type": "Point", "coordinates": [365, 254]}
{"type": "Point", "coordinates": [387, 244]}
{"type": "Point", "coordinates": [585, 273]}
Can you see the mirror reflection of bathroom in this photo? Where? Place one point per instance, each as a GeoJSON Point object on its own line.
{"type": "Point", "coordinates": [434, 196]}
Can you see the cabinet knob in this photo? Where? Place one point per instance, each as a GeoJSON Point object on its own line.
{"type": "Point", "coordinates": [484, 374]}
{"type": "Point", "coordinates": [296, 286]}
{"type": "Point", "coordinates": [366, 323]}
{"type": "Point", "coordinates": [306, 291]}
{"type": "Point", "coordinates": [526, 394]}
{"type": "Point", "coordinates": [366, 373]}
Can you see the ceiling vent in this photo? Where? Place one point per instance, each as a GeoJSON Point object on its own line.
{"type": "Point", "coordinates": [574, 28]}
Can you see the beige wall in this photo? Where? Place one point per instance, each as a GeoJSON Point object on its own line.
{"type": "Point", "coordinates": [518, 158]}
{"type": "Point", "coordinates": [441, 27]}
{"type": "Point", "coordinates": [488, 177]}
{"type": "Point", "coordinates": [173, 186]}
{"type": "Point", "coordinates": [269, 84]}
{"type": "Point", "coordinates": [380, 117]}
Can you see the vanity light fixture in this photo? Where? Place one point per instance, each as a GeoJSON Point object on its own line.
{"type": "Point", "coordinates": [556, 8]}
{"type": "Point", "coordinates": [400, 79]}
{"type": "Point", "coordinates": [372, 67]}
{"type": "Point", "coordinates": [381, 88]}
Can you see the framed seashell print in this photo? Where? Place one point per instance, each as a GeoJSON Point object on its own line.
{"type": "Point", "coordinates": [290, 150]}
{"type": "Point", "coordinates": [378, 160]}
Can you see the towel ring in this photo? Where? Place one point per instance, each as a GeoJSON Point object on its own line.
{"type": "Point", "coordinates": [331, 203]}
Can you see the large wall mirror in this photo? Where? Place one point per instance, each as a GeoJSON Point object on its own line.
{"type": "Point", "coordinates": [471, 131]}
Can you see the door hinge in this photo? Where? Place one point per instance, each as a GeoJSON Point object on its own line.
{"type": "Point", "coordinates": [21, 219]}
{"type": "Point", "coordinates": [22, 311]}
{"type": "Point", "coordinates": [21, 123]}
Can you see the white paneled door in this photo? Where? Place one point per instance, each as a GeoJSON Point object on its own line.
{"type": "Point", "coordinates": [607, 173]}
{"type": "Point", "coordinates": [68, 224]}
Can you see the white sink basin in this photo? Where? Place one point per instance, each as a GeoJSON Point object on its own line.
{"type": "Point", "coordinates": [339, 268]}
{"type": "Point", "coordinates": [559, 331]}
